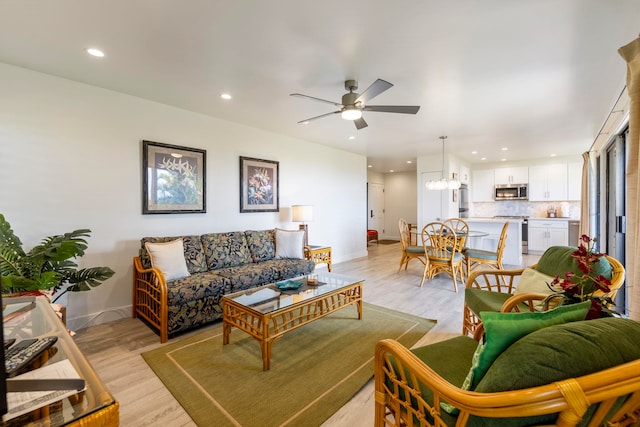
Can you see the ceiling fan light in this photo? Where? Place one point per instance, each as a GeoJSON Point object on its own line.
{"type": "Point", "coordinates": [351, 114]}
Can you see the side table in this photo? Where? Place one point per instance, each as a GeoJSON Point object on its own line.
{"type": "Point", "coordinates": [319, 255]}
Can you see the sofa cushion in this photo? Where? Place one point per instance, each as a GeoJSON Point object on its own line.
{"type": "Point", "coordinates": [250, 275]}
{"type": "Point", "coordinates": [557, 260]}
{"type": "Point", "coordinates": [262, 244]}
{"type": "Point", "coordinates": [289, 243]}
{"type": "Point", "coordinates": [225, 249]}
{"type": "Point", "coordinates": [169, 258]}
{"type": "Point", "coordinates": [556, 353]}
{"type": "Point", "coordinates": [197, 286]}
{"type": "Point", "coordinates": [193, 252]}
{"type": "Point", "coordinates": [503, 329]}
{"type": "Point", "coordinates": [288, 268]}
{"type": "Point", "coordinates": [564, 351]}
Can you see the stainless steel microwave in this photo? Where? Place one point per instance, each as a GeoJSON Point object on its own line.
{"type": "Point", "coordinates": [511, 192]}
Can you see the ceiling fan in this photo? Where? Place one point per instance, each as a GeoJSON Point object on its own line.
{"type": "Point", "coordinates": [353, 104]}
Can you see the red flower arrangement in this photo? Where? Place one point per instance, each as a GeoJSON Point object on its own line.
{"type": "Point", "coordinates": [575, 288]}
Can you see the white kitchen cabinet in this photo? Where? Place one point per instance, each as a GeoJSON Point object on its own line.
{"type": "Point", "coordinates": [465, 176]}
{"type": "Point", "coordinates": [515, 175]}
{"type": "Point", "coordinates": [574, 181]}
{"type": "Point", "coordinates": [482, 185]}
{"type": "Point", "coordinates": [544, 233]}
{"type": "Point", "coordinates": [548, 183]}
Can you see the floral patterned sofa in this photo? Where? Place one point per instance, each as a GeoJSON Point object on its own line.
{"type": "Point", "coordinates": [216, 264]}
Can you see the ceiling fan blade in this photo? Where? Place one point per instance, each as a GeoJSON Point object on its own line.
{"type": "Point", "coordinates": [299, 95]}
{"type": "Point", "coordinates": [319, 117]}
{"type": "Point", "coordinates": [360, 123]}
{"type": "Point", "coordinates": [374, 90]}
{"type": "Point", "coordinates": [404, 109]}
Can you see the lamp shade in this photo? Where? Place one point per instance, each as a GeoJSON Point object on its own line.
{"type": "Point", "coordinates": [301, 213]}
{"type": "Point", "coordinates": [351, 114]}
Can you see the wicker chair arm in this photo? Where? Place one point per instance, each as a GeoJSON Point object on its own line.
{"type": "Point", "coordinates": [529, 298]}
{"type": "Point", "coordinates": [398, 373]}
{"type": "Point", "coordinates": [150, 297]}
{"type": "Point", "coordinates": [494, 280]}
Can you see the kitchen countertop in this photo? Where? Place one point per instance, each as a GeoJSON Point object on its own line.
{"type": "Point", "coordinates": [489, 219]}
{"type": "Point", "coordinates": [562, 218]}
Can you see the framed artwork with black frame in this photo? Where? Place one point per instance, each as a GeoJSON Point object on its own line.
{"type": "Point", "coordinates": [259, 185]}
{"type": "Point", "coordinates": [173, 179]}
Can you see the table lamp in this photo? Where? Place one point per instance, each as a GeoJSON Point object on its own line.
{"type": "Point", "coordinates": [302, 213]}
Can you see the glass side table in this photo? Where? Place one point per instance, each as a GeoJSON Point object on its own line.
{"type": "Point", "coordinates": [93, 406]}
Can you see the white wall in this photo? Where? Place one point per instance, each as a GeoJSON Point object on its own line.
{"type": "Point", "coordinates": [400, 201]}
{"type": "Point", "coordinates": [71, 158]}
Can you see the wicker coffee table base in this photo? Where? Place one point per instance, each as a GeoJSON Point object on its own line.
{"type": "Point", "coordinates": [267, 327]}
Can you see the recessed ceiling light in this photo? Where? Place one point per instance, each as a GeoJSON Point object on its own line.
{"type": "Point", "coordinates": [553, 155]}
{"type": "Point", "coordinates": [504, 148]}
{"type": "Point", "coordinates": [484, 158]}
{"type": "Point", "coordinates": [95, 52]}
{"type": "Point", "coordinates": [352, 137]}
{"type": "Point", "coordinates": [503, 160]}
{"type": "Point", "coordinates": [474, 152]}
{"type": "Point", "coordinates": [391, 170]}
{"type": "Point", "coordinates": [225, 96]}
{"type": "Point", "coordinates": [409, 161]}
{"type": "Point", "coordinates": [370, 166]}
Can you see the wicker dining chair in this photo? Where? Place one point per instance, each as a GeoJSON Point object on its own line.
{"type": "Point", "coordinates": [474, 258]}
{"type": "Point", "coordinates": [409, 251]}
{"type": "Point", "coordinates": [443, 251]}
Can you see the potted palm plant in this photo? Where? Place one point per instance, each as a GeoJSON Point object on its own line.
{"type": "Point", "coordinates": [49, 266]}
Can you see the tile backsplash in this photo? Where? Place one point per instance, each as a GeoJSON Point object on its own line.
{"type": "Point", "coordinates": [524, 208]}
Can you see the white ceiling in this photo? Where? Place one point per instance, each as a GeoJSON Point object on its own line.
{"type": "Point", "coordinates": [538, 77]}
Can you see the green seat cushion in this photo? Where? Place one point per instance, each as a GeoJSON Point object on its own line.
{"type": "Point", "coordinates": [451, 359]}
{"type": "Point", "coordinates": [503, 329]}
{"type": "Point", "coordinates": [557, 260]}
{"type": "Point", "coordinates": [556, 353]}
{"type": "Point", "coordinates": [480, 254]}
{"type": "Point", "coordinates": [414, 249]}
{"type": "Point", "coordinates": [479, 300]}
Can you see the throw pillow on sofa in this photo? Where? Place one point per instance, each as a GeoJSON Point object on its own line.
{"type": "Point", "coordinates": [169, 258]}
{"type": "Point", "coordinates": [289, 243]}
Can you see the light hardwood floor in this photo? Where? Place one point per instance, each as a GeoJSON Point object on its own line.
{"type": "Point", "coordinates": [114, 348]}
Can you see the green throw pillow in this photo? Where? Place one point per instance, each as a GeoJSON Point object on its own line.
{"type": "Point", "coordinates": [503, 329]}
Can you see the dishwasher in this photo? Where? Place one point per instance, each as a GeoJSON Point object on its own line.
{"type": "Point", "coordinates": [574, 233]}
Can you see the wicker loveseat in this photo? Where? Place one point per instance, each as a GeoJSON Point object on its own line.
{"type": "Point", "coordinates": [217, 264]}
{"type": "Point", "coordinates": [578, 373]}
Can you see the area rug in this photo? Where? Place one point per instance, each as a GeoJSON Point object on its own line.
{"type": "Point", "coordinates": [314, 371]}
{"type": "Point", "coordinates": [388, 242]}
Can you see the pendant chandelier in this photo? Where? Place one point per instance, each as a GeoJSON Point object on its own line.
{"type": "Point", "coordinates": [443, 183]}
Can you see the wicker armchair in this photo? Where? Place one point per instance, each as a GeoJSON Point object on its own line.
{"type": "Point", "coordinates": [409, 251]}
{"type": "Point", "coordinates": [489, 290]}
{"type": "Point", "coordinates": [412, 385]}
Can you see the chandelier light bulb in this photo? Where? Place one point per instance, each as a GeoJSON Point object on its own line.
{"type": "Point", "coordinates": [442, 183]}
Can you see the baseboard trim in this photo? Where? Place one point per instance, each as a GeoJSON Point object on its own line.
{"type": "Point", "coordinates": [115, 313]}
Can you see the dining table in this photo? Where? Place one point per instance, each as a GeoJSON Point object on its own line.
{"type": "Point", "coordinates": [471, 234]}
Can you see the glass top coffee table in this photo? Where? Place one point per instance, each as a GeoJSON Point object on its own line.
{"type": "Point", "coordinates": [268, 312]}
